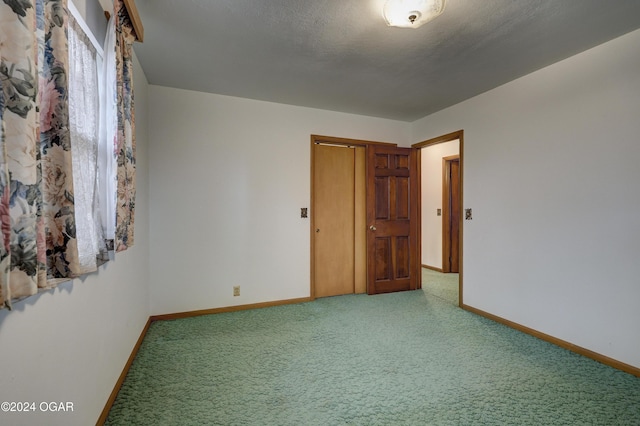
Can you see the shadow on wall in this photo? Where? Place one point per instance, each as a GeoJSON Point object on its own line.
{"type": "Point", "coordinates": [24, 304]}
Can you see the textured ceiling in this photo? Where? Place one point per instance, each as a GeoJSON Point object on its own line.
{"type": "Point", "coordinates": [339, 55]}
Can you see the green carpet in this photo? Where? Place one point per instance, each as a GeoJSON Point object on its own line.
{"type": "Point", "coordinates": [398, 359]}
{"type": "Point", "coordinates": [444, 286]}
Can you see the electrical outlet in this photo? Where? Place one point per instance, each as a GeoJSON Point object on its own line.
{"type": "Point", "coordinates": [236, 290]}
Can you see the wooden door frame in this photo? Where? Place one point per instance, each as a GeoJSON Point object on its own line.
{"type": "Point", "coordinates": [459, 135]}
{"type": "Point", "coordinates": [446, 211]}
{"type": "Point", "coordinates": [329, 140]}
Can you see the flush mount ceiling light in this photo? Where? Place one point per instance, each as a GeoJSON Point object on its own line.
{"type": "Point", "coordinates": [411, 13]}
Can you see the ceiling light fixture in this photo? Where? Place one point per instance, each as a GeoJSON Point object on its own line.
{"type": "Point", "coordinates": [411, 13]}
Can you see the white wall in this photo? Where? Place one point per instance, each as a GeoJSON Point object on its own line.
{"type": "Point", "coordinates": [228, 179]}
{"type": "Point", "coordinates": [551, 172]}
{"type": "Point", "coordinates": [431, 186]}
{"type": "Point", "coordinates": [71, 344]}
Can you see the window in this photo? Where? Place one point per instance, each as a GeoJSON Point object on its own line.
{"type": "Point", "coordinates": [84, 117]}
{"type": "Point", "coordinates": [51, 118]}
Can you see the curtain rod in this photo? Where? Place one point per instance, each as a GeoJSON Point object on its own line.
{"type": "Point", "coordinates": [134, 16]}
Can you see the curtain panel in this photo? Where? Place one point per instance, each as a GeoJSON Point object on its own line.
{"type": "Point", "coordinates": [38, 223]}
{"type": "Point", "coordinates": [126, 144]}
{"type": "Point", "coordinates": [84, 118]}
{"type": "Point", "coordinates": [107, 155]}
{"type": "Point", "coordinates": [38, 244]}
{"type": "Point", "coordinates": [58, 208]}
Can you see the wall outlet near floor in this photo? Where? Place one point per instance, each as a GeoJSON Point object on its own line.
{"type": "Point", "coordinates": [236, 290]}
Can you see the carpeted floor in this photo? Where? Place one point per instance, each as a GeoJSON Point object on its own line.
{"type": "Point", "coordinates": [408, 358]}
{"type": "Point", "coordinates": [444, 286]}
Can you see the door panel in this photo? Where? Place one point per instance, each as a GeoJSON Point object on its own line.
{"type": "Point", "coordinates": [382, 197]}
{"type": "Point", "coordinates": [334, 187]}
{"type": "Point", "coordinates": [383, 258]}
{"type": "Point", "coordinates": [402, 198]}
{"type": "Point", "coordinates": [392, 239]}
{"type": "Point", "coordinates": [402, 258]}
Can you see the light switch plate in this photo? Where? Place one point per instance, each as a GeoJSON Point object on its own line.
{"type": "Point", "coordinates": [303, 212]}
{"type": "Point", "coordinates": [467, 214]}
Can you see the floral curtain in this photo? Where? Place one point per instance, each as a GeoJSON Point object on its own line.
{"type": "Point", "coordinates": [126, 144]}
{"type": "Point", "coordinates": [38, 245]}
{"type": "Point", "coordinates": [58, 207]}
{"type": "Point", "coordinates": [38, 225]}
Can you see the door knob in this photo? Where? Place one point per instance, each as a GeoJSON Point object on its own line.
{"type": "Point", "coordinates": [318, 230]}
{"type": "Point", "coordinates": [373, 228]}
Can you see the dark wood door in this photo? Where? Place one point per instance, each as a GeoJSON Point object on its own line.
{"type": "Point", "coordinates": [451, 218]}
{"type": "Point", "coordinates": [392, 217]}
{"type": "Point", "coordinates": [455, 216]}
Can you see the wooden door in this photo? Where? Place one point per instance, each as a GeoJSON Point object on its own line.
{"type": "Point", "coordinates": [334, 189]}
{"type": "Point", "coordinates": [392, 216]}
{"type": "Point", "coordinates": [454, 224]}
{"type": "Point", "coordinates": [451, 214]}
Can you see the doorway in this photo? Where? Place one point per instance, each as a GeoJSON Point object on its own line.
{"type": "Point", "coordinates": [440, 204]}
{"type": "Point", "coordinates": [364, 218]}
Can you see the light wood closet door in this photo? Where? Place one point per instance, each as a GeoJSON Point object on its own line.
{"type": "Point", "coordinates": [339, 220]}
